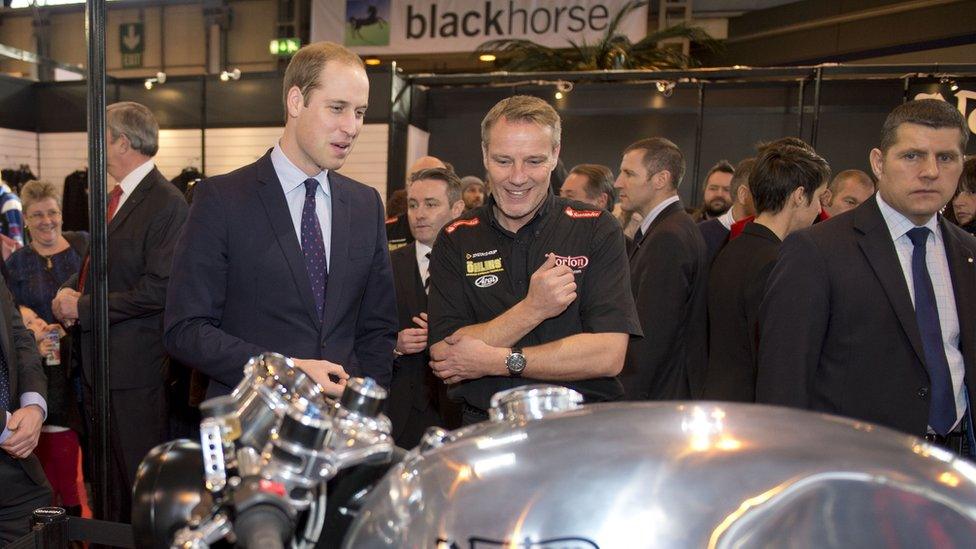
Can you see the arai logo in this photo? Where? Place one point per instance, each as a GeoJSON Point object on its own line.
{"type": "Point", "coordinates": [486, 281]}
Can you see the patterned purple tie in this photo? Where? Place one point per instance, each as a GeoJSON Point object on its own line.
{"type": "Point", "coordinates": [313, 247]}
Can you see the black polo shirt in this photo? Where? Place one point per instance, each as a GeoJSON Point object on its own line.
{"type": "Point", "coordinates": [479, 270]}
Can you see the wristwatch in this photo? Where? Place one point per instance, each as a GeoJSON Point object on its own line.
{"type": "Point", "coordinates": [515, 362]}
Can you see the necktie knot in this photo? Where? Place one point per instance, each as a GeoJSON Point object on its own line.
{"type": "Point", "coordinates": [919, 235]}
{"type": "Point", "coordinates": [116, 193]}
{"type": "Point", "coordinates": [311, 185]}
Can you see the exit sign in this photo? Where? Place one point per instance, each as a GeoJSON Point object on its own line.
{"type": "Point", "coordinates": [285, 47]}
{"type": "Point", "coordinates": [131, 44]}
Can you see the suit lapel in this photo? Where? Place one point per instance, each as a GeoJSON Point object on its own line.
{"type": "Point", "coordinates": [276, 208]}
{"type": "Point", "coordinates": [132, 202]}
{"type": "Point", "coordinates": [962, 270]}
{"type": "Point", "coordinates": [670, 209]}
{"type": "Point", "coordinates": [875, 242]}
{"type": "Point", "coordinates": [338, 250]}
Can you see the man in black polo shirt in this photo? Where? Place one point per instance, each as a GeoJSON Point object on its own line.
{"type": "Point", "coordinates": [529, 287]}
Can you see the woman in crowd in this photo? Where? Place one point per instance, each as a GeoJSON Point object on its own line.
{"type": "Point", "coordinates": [36, 272]}
{"type": "Point", "coordinates": [961, 210]}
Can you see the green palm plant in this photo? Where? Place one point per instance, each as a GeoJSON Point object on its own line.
{"type": "Point", "coordinates": [612, 51]}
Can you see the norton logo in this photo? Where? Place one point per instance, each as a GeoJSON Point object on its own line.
{"type": "Point", "coordinates": [575, 262]}
{"type": "Point", "coordinates": [486, 281]}
{"type": "Point", "coordinates": [581, 214]}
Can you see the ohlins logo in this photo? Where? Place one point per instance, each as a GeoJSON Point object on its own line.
{"type": "Point", "coordinates": [478, 268]}
{"type": "Point", "coordinates": [575, 262]}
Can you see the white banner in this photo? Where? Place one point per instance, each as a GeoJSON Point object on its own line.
{"type": "Point", "coordinates": [433, 26]}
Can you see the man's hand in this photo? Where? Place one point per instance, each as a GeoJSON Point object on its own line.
{"type": "Point", "coordinates": [413, 340]}
{"type": "Point", "coordinates": [465, 357]}
{"type": "Point", "coordinates": [551, 289]}
{"type": "Point", "coordinates": [25, 427]}
{"type": "Point", "coordinates": [65, 306]}
{"type": "Point", "coordinates": [8, 246]}
{"type": "Point", "coordinates": [320, 370]}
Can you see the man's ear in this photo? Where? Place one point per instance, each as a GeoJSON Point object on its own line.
{"type": "Point", "coordinates": [295, 102]}
{"type": "Point", "coordinates": [742, 194]}
{"type": "Point", "coordinates": [826, 199]}
{"type": "Point", "coordinates": [457, 208]}
{"type": "Point", "coordinates": [661, 179]}
{"type": "Point", "coordinates": [799, 198]}
{"type": "Point", "coordinates": [877, 162]}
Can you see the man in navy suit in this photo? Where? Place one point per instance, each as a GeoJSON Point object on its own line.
{"type": "Point", "coordinates": [285, 254]}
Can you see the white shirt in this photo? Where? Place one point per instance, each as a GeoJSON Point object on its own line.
{"type": "Point", "coordinates": [292, 181]}
{"type": "Point", "coordinates": [131, 181]}
{"type": "Point", "coordinates": [646, 223]}
{"type": "Point", "coordinates": [727, 220]}
{"type": "Point", "coordinates": [423, 262]}
{"type": "Point", "coordinates": [945, 297]}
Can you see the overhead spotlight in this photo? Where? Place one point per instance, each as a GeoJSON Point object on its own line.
{"type": "Point", "coordinates": [372, 61]}
{"type": "Point", "coordinates": [160, 78]}
{"type": "Point", "coordinates": [665, 87]}
{"type": "Point", "coordinates": [562, 89]}
{"type": "Point", "coordinates": [230, 75]}
{"type": "Point", "coordinates": [487, 57]}
{"type": "Point", "coordinates": [953, 85]}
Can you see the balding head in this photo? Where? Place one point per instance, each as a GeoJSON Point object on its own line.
{"type": "Point", "coordinates": [424, 163]}
{"type": "Point", "coordinates": [847, 191]}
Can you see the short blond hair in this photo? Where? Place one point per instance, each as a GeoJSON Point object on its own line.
{"type": "Point", "coordinates": [35, 191]}
{"type": "Point", "coordinates": [306, 66]}
{"type": "Point", "coordinates": [522, 108]}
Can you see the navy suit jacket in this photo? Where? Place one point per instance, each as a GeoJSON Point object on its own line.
{"type": "Point", "coordinates": [239, 285]}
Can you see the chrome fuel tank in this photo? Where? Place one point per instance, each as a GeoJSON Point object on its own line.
{"type": "Point", "coordinates": [548, 473]}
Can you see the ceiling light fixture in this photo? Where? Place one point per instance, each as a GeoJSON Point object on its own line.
{"type": "Point", "coordinates": [372, 61]}
{"type": "Point", "coordinates": [487, 57]}
{"type": "Point", "coordinates": [160, 78]}
{"type": "Point", "coordinates": [230, 75]}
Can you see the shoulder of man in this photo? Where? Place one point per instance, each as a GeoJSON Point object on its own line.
{"type": "Point", "coordinates": [467, 223]}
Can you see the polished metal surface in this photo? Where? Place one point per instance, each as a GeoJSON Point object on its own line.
{"type": "Point", "coordinates": [532, 402]}
{"type": "Point", "coordinates": [696, 474]}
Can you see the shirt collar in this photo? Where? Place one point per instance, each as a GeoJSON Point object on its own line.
{"type": "Point", "coordinates": [652, 215]}
{"type": "Point", "coordinates": [726, 219]}
{"type": "Point", "coordinates": [131, 181]}
{"type": "Point", "coordinates": [422, 250]}
{"type": "Point", "coordinates": [542, 211]}
{"type": "Point", "coordinates": [290, 176]}
{"type": "Point", "coordinates": [899, 225]}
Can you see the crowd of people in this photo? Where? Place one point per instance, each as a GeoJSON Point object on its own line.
{"type": "Point", "coordinates": [850, 294]}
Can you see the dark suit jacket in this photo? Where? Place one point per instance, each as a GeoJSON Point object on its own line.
{"type": "Point", "coordinates": [24, 370]}
{"type": "Point", "coordinates": [668, 273]}
{"type": "Point", "coordinates": [715, 235]}
{"type": "Point", "coordinates": [240, 286]}
{"type": "Point", "coordinates": [736, 284]}
{"type": "Point", "coordinates": [141, 240]}
{"type": "Point", "coordinates": [839, 333]}
{"type": "Point", "coordinates": [412, 406]}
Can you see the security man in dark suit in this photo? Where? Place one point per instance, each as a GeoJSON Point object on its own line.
{"type": "Point", "coordinates": [417, 399]}
{"type": "Point", "coordinates": [23, 387]}
{"type": "Point", "coordinates": [287, 255]}
{"type": "Point", "coordinates": [786, 183]}
{"type": "Point", "coordinates": [145, 216]}
{"type": "Point", "coordinates": [397, 227]}
{"type": "Point", "coordinates": [668, 273]}
{"type": "Point", "coordinates": [872, 314]}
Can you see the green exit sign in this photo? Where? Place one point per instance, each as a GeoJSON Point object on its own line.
{"type": "Point", "coordinates": [285, 47]}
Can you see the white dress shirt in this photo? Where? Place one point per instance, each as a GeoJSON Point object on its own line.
{"type": "Point", "coordinates": [945, 297]}
{"type": "Point", "coordinates": [131, 181]}
{"type": "Point", "coordinates": [423, 262]}
{"type": "Point", "coordinates": [293, 185]}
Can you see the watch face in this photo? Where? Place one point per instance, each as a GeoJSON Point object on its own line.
{"type": "Point", "coordinates": [515, 362]}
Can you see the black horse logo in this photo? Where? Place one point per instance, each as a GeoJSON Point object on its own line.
{"type": "Point", "coordinates": [371, 19]}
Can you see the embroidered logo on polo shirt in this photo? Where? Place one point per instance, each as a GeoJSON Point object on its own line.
{"type": "Point", "coordinates": [473, 222]}
{"type": "Point", "coordinates": [486, 281]}
{"type": "Point", "coordinates": [391, 220]}
{"type": "Point", "coordinates": [575, 262]}
{"type": "Point", "coordinates": [478, 268]}
{"type": "Point", "coordinates": [581, 214]}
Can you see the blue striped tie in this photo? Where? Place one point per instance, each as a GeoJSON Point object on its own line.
{"type": "Point", "coordinates": [313, 247]}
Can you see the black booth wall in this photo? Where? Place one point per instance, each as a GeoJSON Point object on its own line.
{"type": "Point", "coordinates": [600, 120]}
